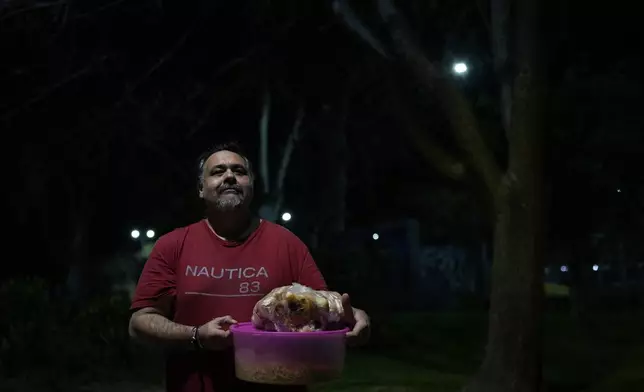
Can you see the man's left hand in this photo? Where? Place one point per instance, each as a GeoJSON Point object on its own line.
{"type": "Point", "coordinates": [358, 320]}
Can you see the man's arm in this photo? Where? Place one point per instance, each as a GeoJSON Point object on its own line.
{"type": "Point", "coordinates": [154, 297]}
{"type": "Point", "coordinates": [150, 325]}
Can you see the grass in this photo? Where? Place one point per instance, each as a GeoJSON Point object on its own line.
{"type": "Point", "coordinates": [415, 352]}
{"type": "Point", "coordinates": [380, 373]}
{"type": "Point", "coordinates": [438, 352]}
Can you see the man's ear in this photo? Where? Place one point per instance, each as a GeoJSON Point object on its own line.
{"type": "Point", "coordinates": [200, 188]}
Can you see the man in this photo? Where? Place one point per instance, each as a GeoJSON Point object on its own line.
{"type": "Point", "coordinates": [202, 278]}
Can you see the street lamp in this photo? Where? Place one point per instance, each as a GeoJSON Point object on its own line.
{"type": "Point", "coordinates": [459, 68]}
{"type": "Point", "coordinates": [286, 216]}
{"type": "Point", "coordinates": [136, 234]}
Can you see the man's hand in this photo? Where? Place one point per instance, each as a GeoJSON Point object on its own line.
{"type": "Point", "coordinates": [358, 320]}
{"type": "Point", "coordinates": [214, 335]}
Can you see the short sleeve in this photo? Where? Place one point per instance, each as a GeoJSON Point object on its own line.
{"type": "Point", "coordinates": [157, 283]}
{"type": "Point", "coordinates": [310, 274]}
{"type": "Point", "coordinates": [304, 270]}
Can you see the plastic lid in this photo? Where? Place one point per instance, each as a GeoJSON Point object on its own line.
{"type": "Point", "coordinates": [248, 329]}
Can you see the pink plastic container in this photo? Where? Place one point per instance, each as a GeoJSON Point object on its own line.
{"type": "Point", "coordinates": [287, 358]}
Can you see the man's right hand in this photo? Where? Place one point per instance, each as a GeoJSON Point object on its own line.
{"type": "Point", "coordinates": [214, 335]}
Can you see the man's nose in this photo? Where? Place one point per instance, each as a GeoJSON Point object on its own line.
{"type": "Point", "coordinates": [229, 175]}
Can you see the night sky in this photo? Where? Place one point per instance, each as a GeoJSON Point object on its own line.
{"type": "Point", "coordinates": [105, 107]}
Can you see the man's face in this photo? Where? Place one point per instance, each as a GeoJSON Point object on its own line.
{"type": "Point", "coordinates": [226, 183]}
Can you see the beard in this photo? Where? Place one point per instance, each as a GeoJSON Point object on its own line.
{"type": "Point", "coordinates": [229, 202]}
{"type": "Point", "coordinates": [226, 202]}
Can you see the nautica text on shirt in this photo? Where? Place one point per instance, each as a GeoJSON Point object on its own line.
{"type": "Point", "coordinates": [226, 273]}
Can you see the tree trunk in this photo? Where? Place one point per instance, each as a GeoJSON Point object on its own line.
{"type": "Point", "coordinates": [273, 201]}
{"type": "Point", "coordinates": [513, 355]}
{"type": "Point", "coordinates": [512, 361]}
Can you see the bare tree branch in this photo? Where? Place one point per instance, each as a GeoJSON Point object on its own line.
{"type": "Point", "coordinates": [158, 64]}
{"type": "Point", "coordinates": [263, 141]}
{"type": "Point", "coordinates": [40, 6]}
{"type": "Point", "coordinates": [274, 200]}
{"type": "Point", "coordinates": [430, 149]}
{"type": "Point", "coordinates": [483, 14]}
{"type": "Point", "coordinates": [98, 10]}
{"type": "Point", "coordinates": [218, 98]}
{"type": "Point", "coordinates": [222, 70]}
{"type": "Point", "coordinates": [250, 53]}
{"type": "Point", "coordinates": [344, 10]}
{"type": "Point", "coordinates": [458, 110]}
{"type": "Point", "coordinates": [31, 8]}
{"type": "Point", "coordinates": [171, 163]}
{"type": "Point", "coordinates": [229, 65]}
{"type": "Point", "coordinates": [65, 14]}
{"type": "Point", "coordinates": [292, 140]}
{"type": "Point", "coordinates": [434, 153]}
{"type": "Point", "coordinates": [500, 16]}
{"type": "Point", "coordinates": [47, 91]}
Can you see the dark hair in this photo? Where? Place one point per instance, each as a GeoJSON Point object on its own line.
{"type": "Point", "coordinates": [228, 146]}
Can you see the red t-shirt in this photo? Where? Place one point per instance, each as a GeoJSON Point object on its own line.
{"type": "Point", "coordinates": [206, 277]}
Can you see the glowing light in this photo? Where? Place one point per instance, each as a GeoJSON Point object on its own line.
{"type": "Point", "coordinates": [459, 68]}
